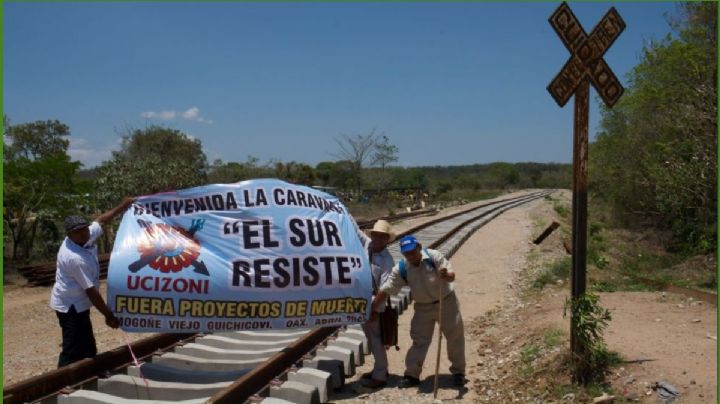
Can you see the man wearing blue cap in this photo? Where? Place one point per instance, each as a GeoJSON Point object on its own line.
{"type": "Point", "coordinates": [77, 280]}
{"type": "Point", "coordinates": [430, 277]}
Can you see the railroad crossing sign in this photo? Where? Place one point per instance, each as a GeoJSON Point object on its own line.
{"type": "Point", "coordinates": [586, 59]}
{"type": "Point", "coordinates": [585, 66]}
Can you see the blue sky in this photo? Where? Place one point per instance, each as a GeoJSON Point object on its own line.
{"type": "Point", "coordinates": [448, 83]}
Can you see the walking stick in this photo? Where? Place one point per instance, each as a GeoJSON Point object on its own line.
{"type": "Point", "coordinates": [437, 359]}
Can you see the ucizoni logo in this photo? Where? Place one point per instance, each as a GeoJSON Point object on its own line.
{"type": "Point", "coordinates": [169, 249]}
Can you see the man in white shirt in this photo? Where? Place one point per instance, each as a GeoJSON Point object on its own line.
{"type": "Point", "coordinates": [77, 280]}
{"type": "Point", "coordinates": [381, 263]}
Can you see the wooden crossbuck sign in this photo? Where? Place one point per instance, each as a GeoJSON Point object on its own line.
{"type": "Point", "coordinates": [585, 66]}
{"type": "Point", "coordinates": [587, 52]}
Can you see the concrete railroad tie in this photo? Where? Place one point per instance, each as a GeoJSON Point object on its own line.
{"type": "Point", "coordinates": [135, 388]}
{"type": "Point", "coordinates": [95, 397]}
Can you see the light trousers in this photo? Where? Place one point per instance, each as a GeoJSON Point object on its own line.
{"type": "Point", "coordinates": [422, 328]}
{"type": "Point", "coordinates": [380, 365]}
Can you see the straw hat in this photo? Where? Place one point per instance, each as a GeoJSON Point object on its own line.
{"type": "Point", "coordinates": [382, 226]}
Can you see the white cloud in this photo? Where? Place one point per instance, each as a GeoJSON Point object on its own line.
{"type": "Point", "coordinates": [162, 115]}
{"type": "Point", "coordinates": [191, 114]}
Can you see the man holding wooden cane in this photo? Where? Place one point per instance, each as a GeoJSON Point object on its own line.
{"type": "Point", "coordinates": [430, 277]}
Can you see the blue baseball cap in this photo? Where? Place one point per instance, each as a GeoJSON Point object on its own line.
{"type": "Point", "coordinates": [408, 243]}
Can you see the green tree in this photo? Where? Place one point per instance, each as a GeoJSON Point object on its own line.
{"type": "Point", "coordinates": [384, 153]}
{"type": "Point", "coordinates": [151, 160]}
{"type": "Point", "coordinates": [226, 173]}
{"type": "Point", "coordinates": [323, 172]}
{"type": "Point", "coordinates": [230, 172]}
{"type": "Point", "coordinates": [40, 185]}
{"type": "Point", "coordinates": [410, 178]}
{"type": "Point", "coordinates": [35, 140]}
{"type": "Point", "coordinates": [297, 173]}
{"type": "Point", "coordinates": [339, 174]}
{"type": "Point", "coordinates": [655, 157]}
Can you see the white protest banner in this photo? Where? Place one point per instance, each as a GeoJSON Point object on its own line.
{"type": "Point", "coordinates": [260, 254]}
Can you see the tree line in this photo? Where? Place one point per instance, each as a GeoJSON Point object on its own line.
{"type": "Point", "coordinates": [655, 157]}
{"type": "Point", "coordinates": [42, 184]}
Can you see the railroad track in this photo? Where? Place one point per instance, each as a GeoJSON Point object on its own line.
{"type": "Point", "coordinates": [305, 366]}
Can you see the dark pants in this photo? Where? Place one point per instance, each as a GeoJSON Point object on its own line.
{"type": "Point", "coordinates": [78, 341]}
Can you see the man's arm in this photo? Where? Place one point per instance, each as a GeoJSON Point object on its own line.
{"type": "Point", "coordinates": [364, 239]}
{"type": "Point", "coordinates": [392, 285]}
{"type": "Point", "coordinates": [110, 214]}
{"type": "Point", "coordinates": [99, 304]}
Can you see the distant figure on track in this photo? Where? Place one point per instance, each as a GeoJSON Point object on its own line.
{"type": "Point", "coordinates": [381, 263]}
{"type": "Point", "coordinates": [77, 280]}
{"type": "Point", "coordinates": [423, 270]}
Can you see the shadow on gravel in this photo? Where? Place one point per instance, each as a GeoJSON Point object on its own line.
{"type": "Point", "coordinates": [445, 382]}
{"type": "Point", "coordinates": [355, 389]}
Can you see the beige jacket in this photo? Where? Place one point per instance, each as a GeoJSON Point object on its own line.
{"type": "Point", "coordinates": [424, 280]}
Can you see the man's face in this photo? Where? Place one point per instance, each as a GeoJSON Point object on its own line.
{"type": "Point", "coordinates": [379, 241]}
{"type": "Point", "coordinates": [415, 256]}
{"type": "Point", "coordinates": [80, 236]}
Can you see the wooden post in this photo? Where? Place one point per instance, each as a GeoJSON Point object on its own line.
{"type": "Point", "coordinates": [579, 203]}
{"type": "Point", "coordinates": [585, 66]}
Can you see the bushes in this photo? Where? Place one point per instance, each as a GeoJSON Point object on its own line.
{"type": "Point", "coordinates": [557, 270]}
{"type": "Point", "coordinates": [591, 319]}
{"type": "Point", "coordinates": [655, 157]}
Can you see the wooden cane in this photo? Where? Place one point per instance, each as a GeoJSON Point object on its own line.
{"type": "Point", "coordinates": [437, 359]}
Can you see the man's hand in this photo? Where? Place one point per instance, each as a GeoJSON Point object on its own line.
{"type": "Point", "coordinates": [99, 304]}
{"type": "Point", "coordinates": [373, 307]}
{"type": "Point", "coordinates": [110, 214]}
{"type": "Point", "coordinates": [129, 200]}
{"type": "Point", "coordinates": [446, 275]}
{"type": "Point", "coordinates": [112, 321]}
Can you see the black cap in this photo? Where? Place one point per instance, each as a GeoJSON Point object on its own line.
{"type": "Point", "coordinates": [75, 223]}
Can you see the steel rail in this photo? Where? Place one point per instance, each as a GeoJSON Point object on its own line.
{"type": "Point", "coordinates": [49, 383]}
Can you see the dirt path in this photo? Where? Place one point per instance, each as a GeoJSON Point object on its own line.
{"type": "Point", "coordinates": [668, 334]}
{"type": "Point", "coordinates": [31, 334]}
